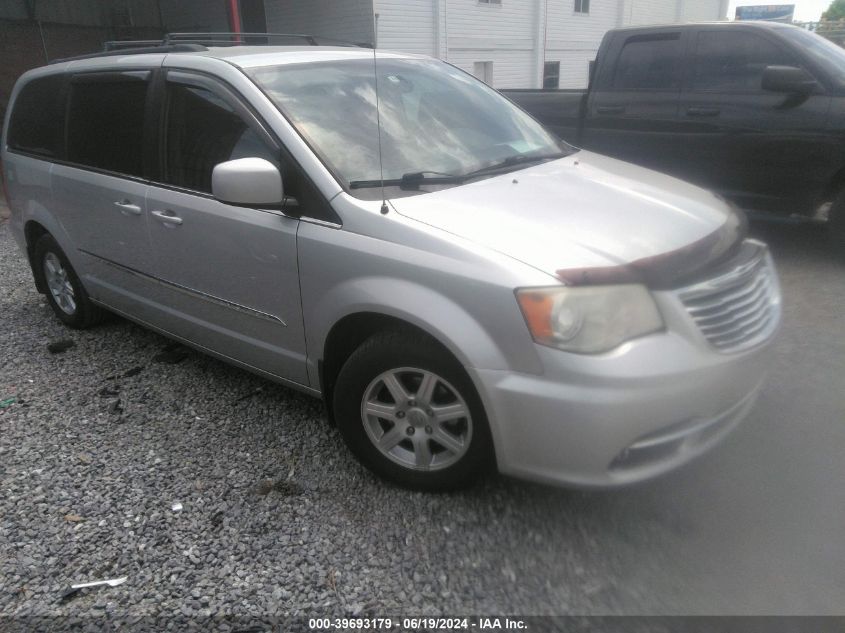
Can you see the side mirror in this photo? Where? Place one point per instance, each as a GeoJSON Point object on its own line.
{"type": "Point", "coordinates": [788, 79]}
{"type": "Point", "coordinates": [247, 182]}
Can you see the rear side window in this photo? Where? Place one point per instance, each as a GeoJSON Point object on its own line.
{"type": "Point", "coordinates": [735, 61]}
{"type": "Point", "coordinates": [650, 62]}
{"type": "Point", "coordinates": [105, 126]}
{"type": "Point", "coordinates": [202, 130]}
{"type": "Point", "coordinates": [37, 121]}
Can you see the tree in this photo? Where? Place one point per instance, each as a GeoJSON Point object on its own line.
{"type": "Point", "coordinates": [836, 11]}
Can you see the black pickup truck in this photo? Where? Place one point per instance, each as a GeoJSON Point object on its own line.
{"type": "Point", "coordinates": [754, 111]}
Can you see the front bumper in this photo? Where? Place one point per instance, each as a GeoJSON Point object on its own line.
{"type": "Point", "coordinates": [616, 419]}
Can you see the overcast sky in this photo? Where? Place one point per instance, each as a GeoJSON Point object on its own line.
{"type": "Point", "coordinates": [805, 10]}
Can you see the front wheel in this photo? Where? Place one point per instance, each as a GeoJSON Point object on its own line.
{"type": "Point", "coordinates": [409, 412]}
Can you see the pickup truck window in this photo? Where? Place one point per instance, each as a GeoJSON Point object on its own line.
{"type": "Point", "coordinates": [434, 118]}
{"type": "Point", "coordinates": [649, 62]}
{"type": "Point", "coordinates": [734, 61]}
{"type": "Point", "coordinates": [827, 55]}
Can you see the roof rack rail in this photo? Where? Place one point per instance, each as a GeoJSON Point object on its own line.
{"type": "Point", "coordinates": [159, 48]}
{"type": "Point", "coordinates": [113, 45]}
{"type": "Point", "coordinates": [194, 42]}
{"type": "Point", "coordinates": [256, 39]}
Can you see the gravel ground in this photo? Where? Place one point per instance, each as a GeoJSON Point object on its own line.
{"type": "Point", "coordinates": [278, 518]}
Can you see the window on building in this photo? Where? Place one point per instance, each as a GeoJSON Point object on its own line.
{"type": "Point", "coordinates": [483, 71]}
{"type": "Point", "coordinates": [734, 62]}
{"type": "Point", "coordinates": [202, 131]}
{"type": "Point", "coordinates": [38, 118]}
{"type": "Point", "coordinates": [105, 122]}
{"type": "Point", "coordinates": [650, 62]}
{"type": "Point", "coordinates": [582, 6]}
{"type": "Point", "coordinates": [490, 2]}
{"type": "Point", "coordinates": [551, 75]}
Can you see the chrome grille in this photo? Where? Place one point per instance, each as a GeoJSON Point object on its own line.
{"type": "Point", "coordinates": [739, 306]}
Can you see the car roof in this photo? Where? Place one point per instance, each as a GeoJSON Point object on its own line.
{"type": "Point", "coordinates": [254, 56]}
{"type": "Point", "coordinates": [758, 24]}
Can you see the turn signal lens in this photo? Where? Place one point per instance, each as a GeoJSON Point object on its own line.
{"type": "Point", "coordinates": [589, 320]}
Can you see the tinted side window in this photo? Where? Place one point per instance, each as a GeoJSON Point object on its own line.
{"type": "Point", "coordinates": [202, 130]}
{"type": "Point", "coordinates": [37, 122]}
{"type": "Point", "coordinates": [735, 61]}
{"type": "Point", "coordinates": [650, 62]}
{"type": "Point", "coordinates": [105, 127]}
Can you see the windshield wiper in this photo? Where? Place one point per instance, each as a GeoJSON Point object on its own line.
{"type": "Point", "coordinates": [513, 161]}
{"type": "Point", "coordinates": [411, 180]}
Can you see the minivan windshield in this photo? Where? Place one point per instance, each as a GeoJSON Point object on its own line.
{"type": "Point", "coordinates": [439, 125]}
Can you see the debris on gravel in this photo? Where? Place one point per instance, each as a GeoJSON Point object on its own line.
{"type": "Point", "coordinates": [171, 354]}
{"type": "Point", "coordinates": [61, 346]}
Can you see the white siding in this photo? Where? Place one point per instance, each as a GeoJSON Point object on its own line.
{"type": "Point", "coordinates": [505, 34]}
{"type": "Point", "coordinates": [704, 10]}
{"type": "Point", "coordinates": [348, 20]}
{"type": "Point", "coordinates": [407, 25]}
{"type": "Point", "coordinates": [511, 69]}
{"type": "Point", "coordinates": [635, 12]}
{"type": "Point", "coordinates": [573, 38]}
{"type": "Point", "coordinates": [517, 36]}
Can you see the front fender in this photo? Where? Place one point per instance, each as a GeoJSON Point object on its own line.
{"type": "Point", "coordinates": [439, 316]}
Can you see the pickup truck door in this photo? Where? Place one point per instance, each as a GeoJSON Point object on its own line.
{"type": "Point", "coordinates": [632, 110]}
{"type": "Point", "coordinates": [766, 151]}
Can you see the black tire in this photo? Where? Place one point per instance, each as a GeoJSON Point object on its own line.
{"type": "Point", "coordinates": [83, 313]}
{"type": "Point", "coordinates": [390, 351]}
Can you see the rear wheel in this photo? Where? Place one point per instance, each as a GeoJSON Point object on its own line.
{"type": "Point", "coordinates": [408, 411]}
{"type": "Point", "coordinates": [65, 292]}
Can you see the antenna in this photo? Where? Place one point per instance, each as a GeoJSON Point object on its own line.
{"type": "Point", "coordinates": [384, 208]}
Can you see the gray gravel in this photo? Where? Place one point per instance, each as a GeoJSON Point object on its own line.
{"type": "Point", "coordinates": [278, 518]}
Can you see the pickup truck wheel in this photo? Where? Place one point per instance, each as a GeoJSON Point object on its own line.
{"type": "Point", "coordinates": [409, 412]}
{"type": "Point", "coordinates": [836, 225]}
{"type": "Point", "coordinates": [65, 292]}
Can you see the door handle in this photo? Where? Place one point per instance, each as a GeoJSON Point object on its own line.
{"type": "Point", "coordinates": [703, 111]}
{"type": "Point", "coordinates": [127, 208]}
{"type": "Point", "coordinates": [610, 109]}
{"type": "Point", "coordinates": [167, 217]}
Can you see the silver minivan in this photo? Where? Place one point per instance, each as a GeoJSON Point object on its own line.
{"type": "Point", "coordinates": [386, 232]}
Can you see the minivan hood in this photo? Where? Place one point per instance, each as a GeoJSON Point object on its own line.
{"type": "Point", "coordinates": [588, 218]}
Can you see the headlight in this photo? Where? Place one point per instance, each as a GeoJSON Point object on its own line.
{"type": "Point", "coordinates": [589, 320]}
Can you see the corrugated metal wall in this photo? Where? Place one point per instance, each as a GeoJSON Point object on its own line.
{"type": "Point", "coordinates": [348, 20]}
{"type": "Point", "coordinates": [33, 33]}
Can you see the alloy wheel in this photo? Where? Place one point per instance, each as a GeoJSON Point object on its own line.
{"type": "Point", "coordinates": [416, 419]}
{"type": "Point", "coordinates": [59, 284]}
